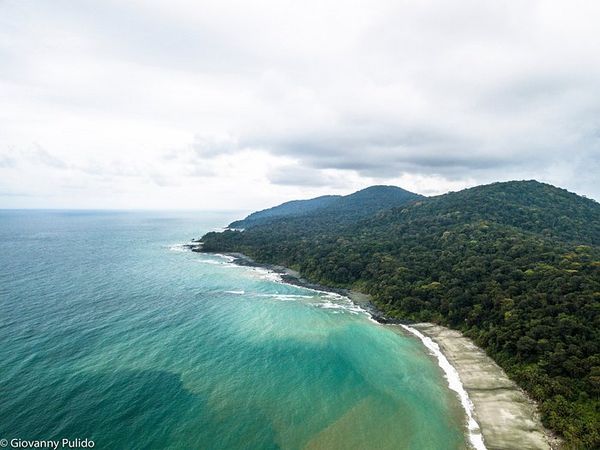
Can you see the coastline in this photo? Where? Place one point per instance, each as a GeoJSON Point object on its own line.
{"type": "Point", "coordinates": [499, 414]}
{"type": "Point", "coordinates": [455, 384]}
{"type": "Point", "coordinates": [293, 277]}
{"type": "Point", "coordinates": [508, 419]}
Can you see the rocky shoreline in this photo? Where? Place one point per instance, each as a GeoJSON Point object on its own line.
{"type": "Point", "coordinates": [293, 277]}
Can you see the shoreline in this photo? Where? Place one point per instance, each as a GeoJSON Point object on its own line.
{"type": "Point", "coordinates": [293, 277]}
{"type": "Point", "coordinates": [507, 417]}
{"type": "Point", "coordinates": [455, 384]}
{"type": "Point", "coordinates": [499, 414]}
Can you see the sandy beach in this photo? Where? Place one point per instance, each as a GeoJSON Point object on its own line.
{"type": "Point", "coordinates": [507, 418]}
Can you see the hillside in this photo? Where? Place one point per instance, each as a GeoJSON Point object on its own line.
{"type": "Point", "coordinates": [287, 209]}
{"type": "Point", "coordinates": [333, 208]}
{"type": "Point", "coordinates": [515, 266]}
{"type": "Point", "coordinates": [527, 205]}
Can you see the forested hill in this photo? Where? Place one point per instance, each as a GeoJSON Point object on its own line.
{"type": "Point", "coordinates": [527, 205]}
{"type": "Point", "coordinates": [287, 209]}
{"type": "Point", "coordinates": [351, 207]}
{"type": "Point", "coordinates": [515, 266]}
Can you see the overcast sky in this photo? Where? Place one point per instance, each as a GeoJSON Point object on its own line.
{"type": "Point", "coordinates": [241, 105]}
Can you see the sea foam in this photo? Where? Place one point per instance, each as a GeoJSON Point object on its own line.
{"type": "Point", "coordinates": [178, 248]}
{"type": "Point", "coordinates": [454, 383]}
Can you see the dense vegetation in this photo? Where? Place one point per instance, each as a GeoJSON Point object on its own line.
{"type": "Point", "coordinates": [292, 208]}
{"type": "Point", "coordinates": [332, 209]}
{"type": "Point", "coordinates": [515, 266]}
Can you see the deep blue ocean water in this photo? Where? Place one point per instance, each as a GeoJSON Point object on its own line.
{"type": "Point", "coordinates": [111, 331]}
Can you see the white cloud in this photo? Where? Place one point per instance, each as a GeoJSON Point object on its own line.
{"type": "Point", "coordinates": [242, 104]}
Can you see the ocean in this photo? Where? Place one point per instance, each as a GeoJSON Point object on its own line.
{"type": "Point", "coordinates": [111, 331]}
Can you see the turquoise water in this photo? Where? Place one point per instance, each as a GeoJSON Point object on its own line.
{"type": "Point", "coordinates": [110, 331]}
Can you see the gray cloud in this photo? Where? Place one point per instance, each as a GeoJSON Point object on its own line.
{"type": "Point", "coordinates": [34, 154]}
{"type": "Point", "coordinates": [208, 146]}
{"type": "Point", "coordinates": [14, 194]}
{"type": "Point", "coordinates": [527, 128]}
{"type": "Point", "coordinates": [39, 155]}
{"type": "Point", "coordinates": [449, 94]}
{"type": "Point", "coordinates": [7, 161]}
{"type": "Point", "coordinates": [388, 151]}
{"type": "Point", "coordinates": [295, 175]}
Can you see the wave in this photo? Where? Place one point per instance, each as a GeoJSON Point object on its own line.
{"type": "Point", "coordinates": [216, 263]}
{"type": "Point", "coordinates": [285, 296]}
{"type": "Point", "coordinates": [350, 307]}
{"type": "Point", "coordinates": [187, 247]}
{"type": "Point", "coordinates": [178, 248]}
{"type": "Point", "coordinates": [454, 383]}
{"type": "Point", "coordinates": [330, 300]}
{"type": "Point", "coordinates": [227, 257]}
{"type": "Point", "coordinates": [266, 274]}
{"type": "Point", "coordinates": [323, 300]}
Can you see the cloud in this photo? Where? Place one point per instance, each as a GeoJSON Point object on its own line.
{"type": "Point", "coordinates": [297, 175]}
{"type": "Point", "coordinates": [152, 103]}
{"type": "Point", "coordinates": [207, 146]}
{"type": "Point", "coordinates": [38, 155]}
{"type": "Point", "coordinates": [7, 161]}
{"type": "Point", "coordinates": [32, 154]}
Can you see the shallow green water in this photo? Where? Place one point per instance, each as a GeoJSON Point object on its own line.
{"type": "Point", "coordinates": [111, 332]}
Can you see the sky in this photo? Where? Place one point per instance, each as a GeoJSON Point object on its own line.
{"type": "Point", "coordinates": [240, 105]}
